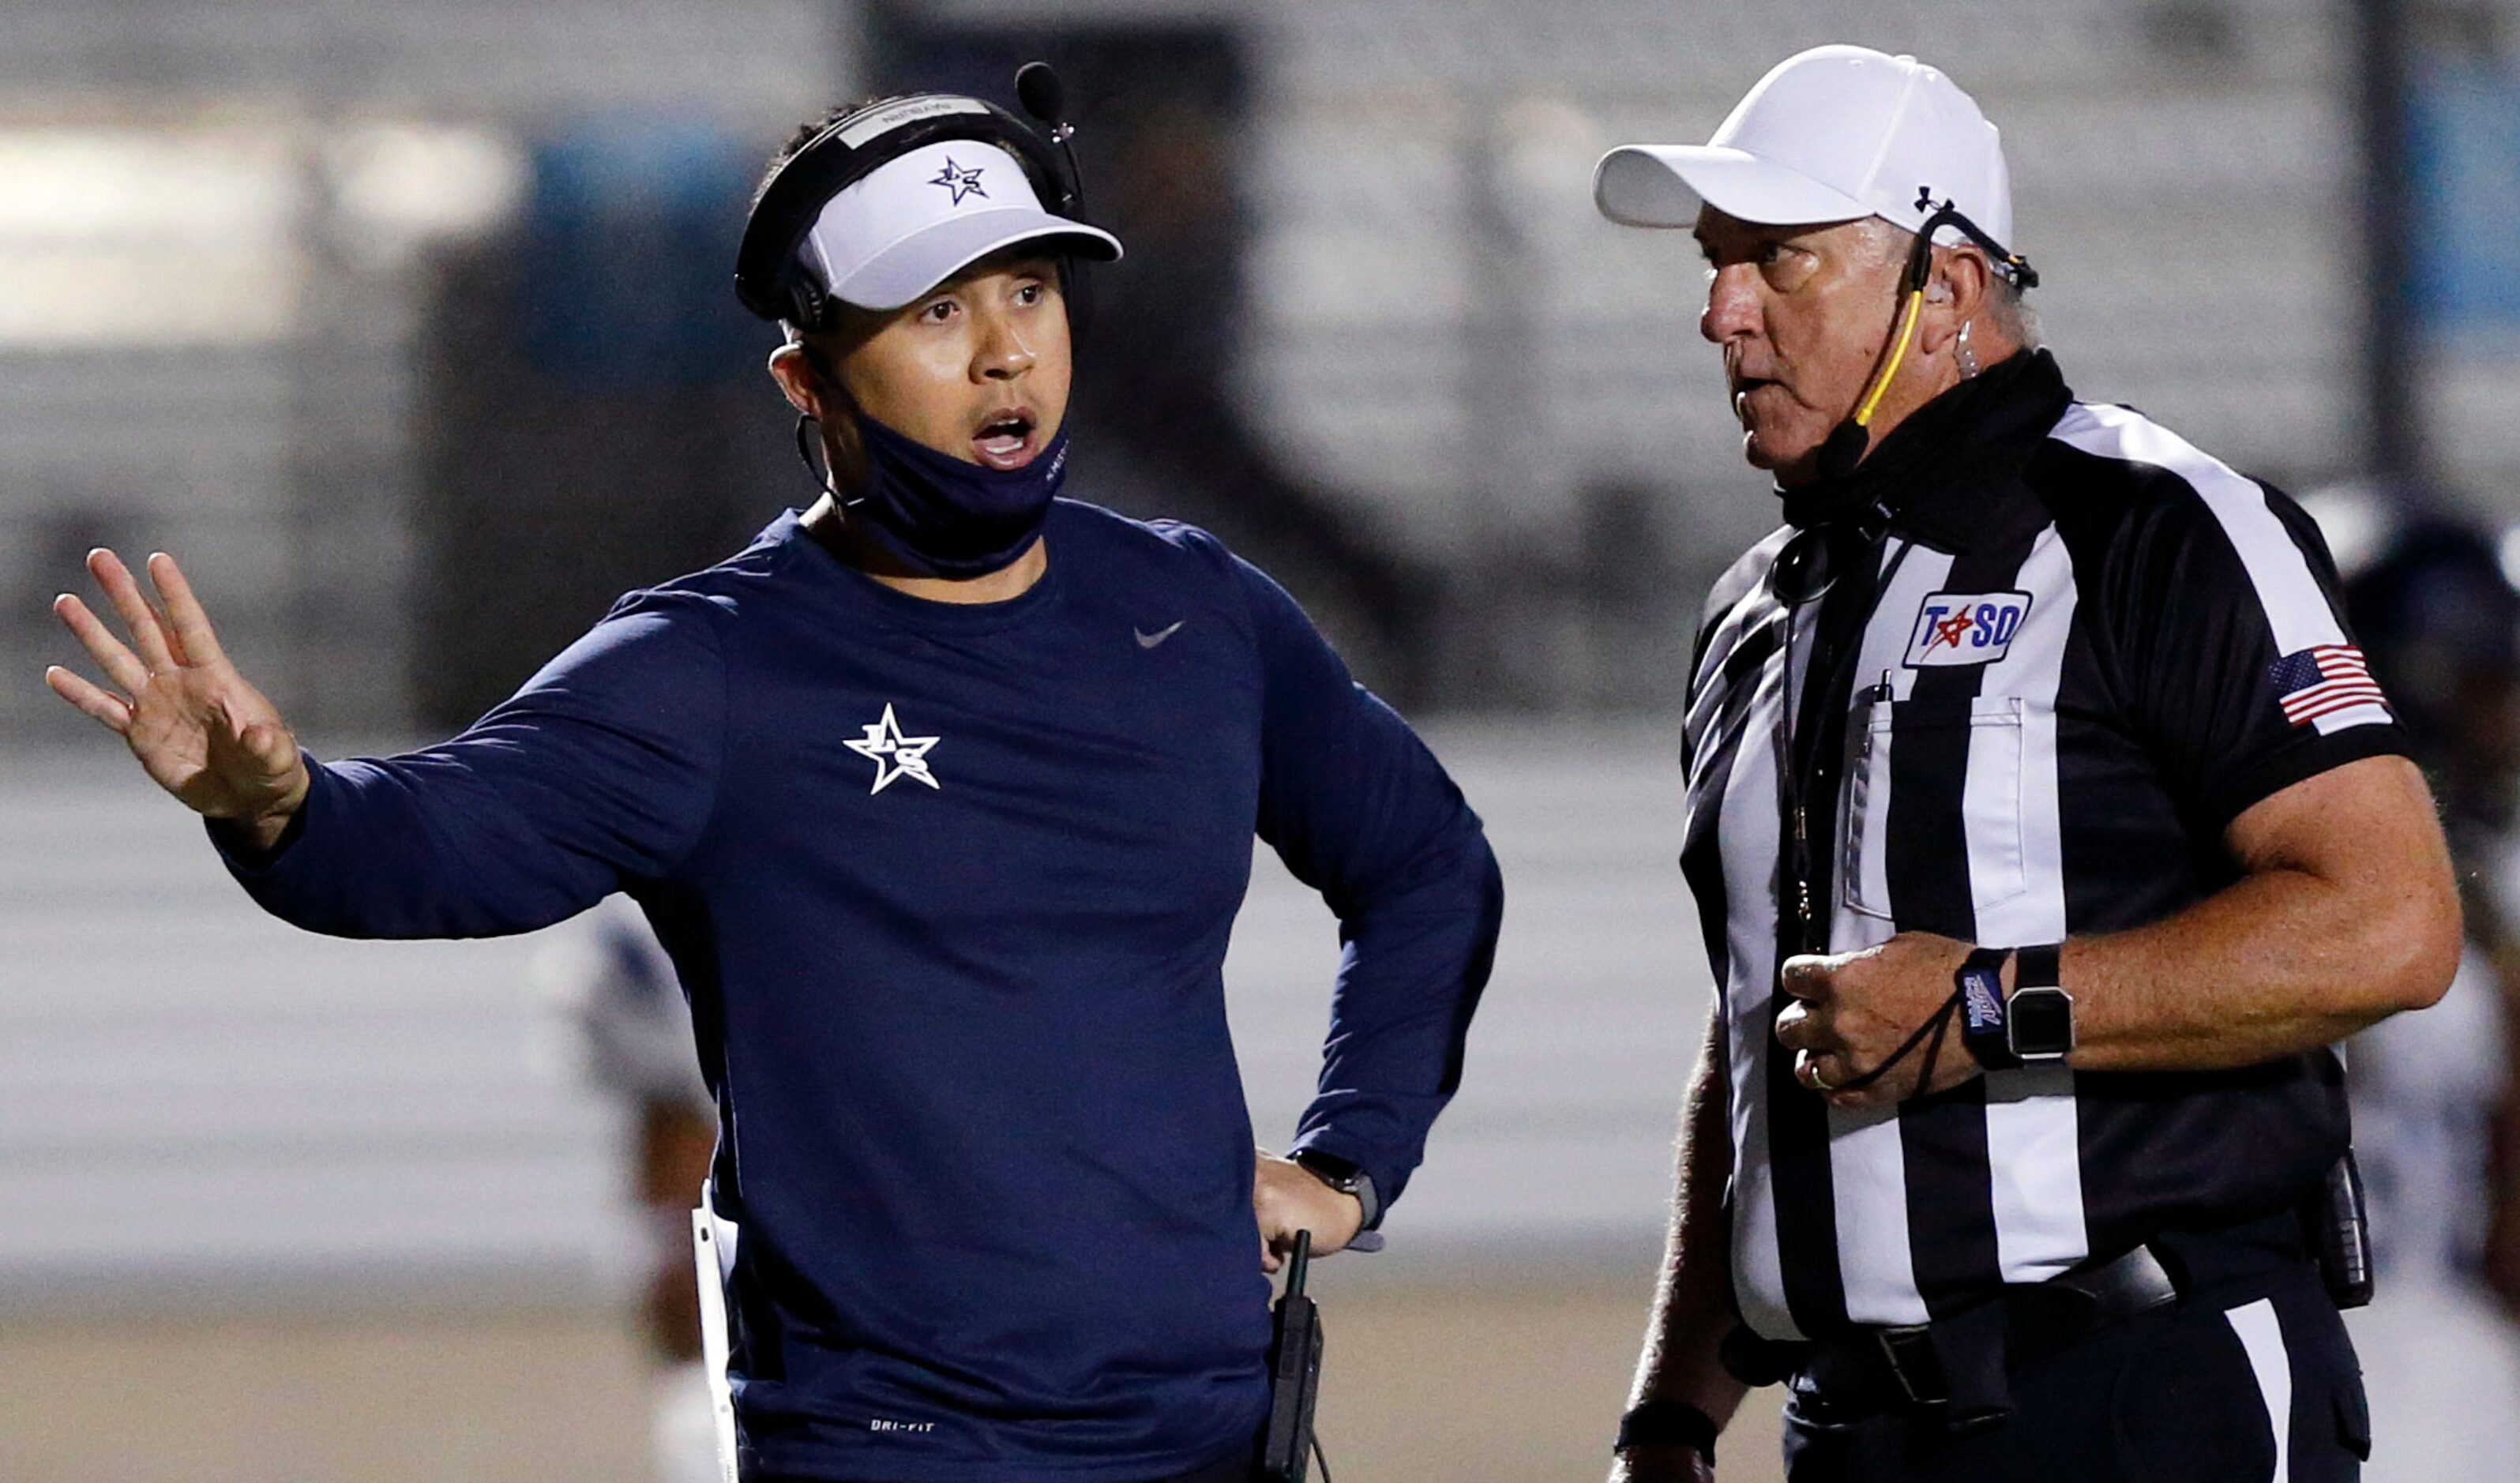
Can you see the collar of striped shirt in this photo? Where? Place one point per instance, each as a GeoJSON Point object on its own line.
{"type": "Point", "coordinates": [1959, 451]}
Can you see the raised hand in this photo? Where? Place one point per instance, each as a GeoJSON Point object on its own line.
{"type": "Point", "coordinates": [196, 727]}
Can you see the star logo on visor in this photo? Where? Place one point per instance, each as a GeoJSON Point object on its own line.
{"type": "Point", "coordinates": [960, 181]}
{"type": "Point", "coordinates": [894, 755]}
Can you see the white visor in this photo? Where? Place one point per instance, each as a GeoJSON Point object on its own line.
{"type": "Point", "coordinates": [916, 221]}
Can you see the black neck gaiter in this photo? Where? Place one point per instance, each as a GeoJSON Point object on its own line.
{"type": "Point", "coordinates": [941, 517]}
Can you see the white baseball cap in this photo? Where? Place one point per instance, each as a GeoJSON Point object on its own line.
{"type": "Point", "coordinates": [916, 221]}
{"type": "Point", "coordinates": [1831, 134]}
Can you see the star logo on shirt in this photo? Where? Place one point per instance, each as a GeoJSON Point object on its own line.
{"type": "Point", "coordinates": [895, 756]}
{"type": "Point", "coordinates": [960, 181]}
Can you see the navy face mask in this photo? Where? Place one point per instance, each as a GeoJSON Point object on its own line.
{"type": "Point", "coordinates": [941, 517]}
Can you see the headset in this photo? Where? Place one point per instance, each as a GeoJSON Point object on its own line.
{"type": "Point", "coordinates": [1848, 440]}
{"type": "Point", "coordinates": [770, 277]}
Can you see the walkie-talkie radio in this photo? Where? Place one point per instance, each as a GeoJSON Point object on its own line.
{"type": "Point", "coordinates": [1294, 1374]}
{"type": "Point", "coordinates": [2340, 1235]}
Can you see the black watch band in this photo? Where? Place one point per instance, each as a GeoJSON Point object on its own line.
{"type": "Point", "coordinates": [1347, 1176]}
{"type": "Point", "coordinates": [1983, 1022]}
{"type": "Point", "coordinates": [1668, 1423]}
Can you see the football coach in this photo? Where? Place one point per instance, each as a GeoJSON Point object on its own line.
{"type": "Point", "coordinates": [2048, 832]}
{"type": "Point", "coordinates": [941, 796]}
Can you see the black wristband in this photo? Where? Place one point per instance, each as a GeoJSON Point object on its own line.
{"type": "Point", "coordinates": [1980, 983]}
{"type": "Point", "coordinates": [1348, 1178]}
{"type": "Point", "coordinates": [1668, 1423]}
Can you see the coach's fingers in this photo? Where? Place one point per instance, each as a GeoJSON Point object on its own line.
{"type": "Point", "coordinates": [148, 631]}
{"type": "Point", "coordinates": [119, 663]}
{"type": "Point", "coordinates": [283, 778]}
{"type": "Point", "coordinates": [111, 711]}
{"type": "Point", "coordinates": [270, 746]}
{"type": "Point", "coordinates": [194, 637]}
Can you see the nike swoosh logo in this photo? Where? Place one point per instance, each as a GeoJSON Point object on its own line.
{"type": "Point", "coordinates": [1148, 640]}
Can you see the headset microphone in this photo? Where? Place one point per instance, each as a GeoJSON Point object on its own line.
{"type": "Point", "coordinates": [1038, 89]}
{"type": "Point", "coordinates": [1849, 440]}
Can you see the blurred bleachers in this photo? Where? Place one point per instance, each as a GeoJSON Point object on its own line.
{"type": "Point", "coordinates": [500, 58]}
{"type": "Point", "coordinates": [2181, 185]}
{"type": "Point", "coordinates": [211, 264]}
{"type": "Point", "coordinates": [1437, 324]}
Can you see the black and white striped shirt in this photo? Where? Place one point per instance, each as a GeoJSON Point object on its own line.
{"type": "Point", "coordinates": [2027, 709]}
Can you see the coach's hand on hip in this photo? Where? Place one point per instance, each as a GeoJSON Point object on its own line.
{"type": "Point", "coordinates": [1853, 1010]}
{"type": "Point", "coordinates": [196, 727]}
{"type": "Point", "coordinates": [1289, 1197]}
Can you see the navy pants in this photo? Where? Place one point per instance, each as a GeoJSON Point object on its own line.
{"type": "Point", "coordinates": [2253, 1384]}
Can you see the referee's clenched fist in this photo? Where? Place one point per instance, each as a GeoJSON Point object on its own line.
{"type": "Point", "coordinates": [1874, 1027]}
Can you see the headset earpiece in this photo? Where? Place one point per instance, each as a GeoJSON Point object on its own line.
{"type": "Point", "coordinates": [1848, 442]}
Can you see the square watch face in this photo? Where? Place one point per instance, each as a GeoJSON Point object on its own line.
{"type": "Point", "coordinates": [2041, 1022]}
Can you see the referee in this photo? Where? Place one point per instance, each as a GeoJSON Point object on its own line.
{"type": "Point", "coordinates": [941, 796]}
{"type": "Point", "coordinates": [2048, 831]}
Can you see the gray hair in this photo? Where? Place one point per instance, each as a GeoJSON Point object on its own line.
{"type": "Point", "coordinates": [2013, 313]}
{"type": "Point", "coordinates": [2008, 307]}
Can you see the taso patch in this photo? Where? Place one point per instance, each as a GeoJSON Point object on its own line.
{"type": "Point", "coordinates": [1966, 628]}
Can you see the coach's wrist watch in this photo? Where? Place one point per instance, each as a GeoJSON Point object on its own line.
{"type": "Point", "coordinates": [2040, 1019]}
{"type": "Point", "coordinates": [1347, 1176]}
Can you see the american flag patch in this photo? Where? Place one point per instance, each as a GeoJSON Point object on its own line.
{"type": "Point", "coordinates": [2316, 682]}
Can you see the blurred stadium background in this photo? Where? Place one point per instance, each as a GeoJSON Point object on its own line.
{"type": "Point", "coordinates": [408, 327]}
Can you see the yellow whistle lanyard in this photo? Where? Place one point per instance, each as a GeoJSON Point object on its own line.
{"type": "Point", "coordinates": [1907, 317]}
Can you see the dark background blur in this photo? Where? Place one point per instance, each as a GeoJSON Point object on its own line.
{"type": "Point", "coordinates": [409, 328]}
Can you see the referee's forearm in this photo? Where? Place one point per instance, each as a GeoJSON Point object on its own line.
{"type": "Point", "coordinates": [2347, 915]}
{"type": "Point", "coordinates": [1693, 1304]}
{"type": "Point", "coordinates": [2262, 971]}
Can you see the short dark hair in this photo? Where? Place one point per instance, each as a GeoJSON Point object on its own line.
{"type": "Point", "coordinates": [806, 133]}
{"type": "Point", "coordinates": [812, 130]}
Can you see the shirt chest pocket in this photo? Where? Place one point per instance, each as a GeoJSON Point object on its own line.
{"type": "Point", "coordinates": [1961, 773]}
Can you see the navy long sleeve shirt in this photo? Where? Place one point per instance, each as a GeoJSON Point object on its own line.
{"type": "Point", "coordinates": [949, 887]}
